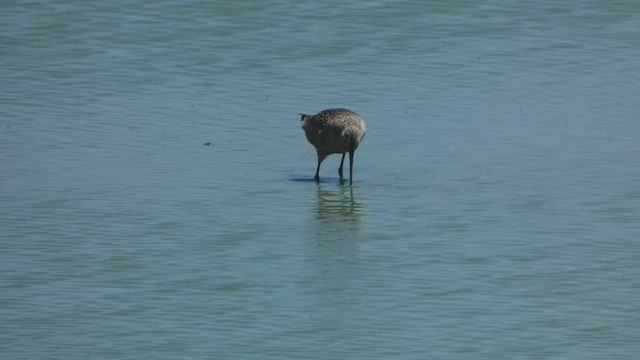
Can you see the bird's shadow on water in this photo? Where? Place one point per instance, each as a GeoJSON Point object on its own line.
{"type": "Point", "coordinates": [323, 180]}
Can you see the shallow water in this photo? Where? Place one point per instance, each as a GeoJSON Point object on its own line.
{"type": "Point", "coordinates": [494, 212]}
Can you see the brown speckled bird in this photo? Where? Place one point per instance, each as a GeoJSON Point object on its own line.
{"type": "Point", "coordinates": [334, 131]}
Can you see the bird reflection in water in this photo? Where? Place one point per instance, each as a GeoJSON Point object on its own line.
{"type": "Point", "coordinates": [339, 209]}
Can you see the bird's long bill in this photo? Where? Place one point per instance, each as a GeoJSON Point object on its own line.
{"type": "Point", "coordinates": [302, 116]}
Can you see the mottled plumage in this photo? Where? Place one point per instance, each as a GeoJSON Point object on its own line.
{"type": "Point", "coordinates": [334, 131]}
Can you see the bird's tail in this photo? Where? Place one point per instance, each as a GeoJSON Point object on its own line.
{"type": "Point", "coordinates": [353, 138]}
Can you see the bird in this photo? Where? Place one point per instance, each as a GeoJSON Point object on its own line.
{"type": "Point", "coordinates": [334, 131]}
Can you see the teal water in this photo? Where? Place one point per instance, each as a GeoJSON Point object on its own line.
{"type": "Point", "coordinates": [495, 211]}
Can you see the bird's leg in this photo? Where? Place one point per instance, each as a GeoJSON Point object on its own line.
{"type": "Point", "coordinates": [317, 177]}
{"type": "Point", "coordinates": [320, 159]}
{"type": "Point", "coordinates": [351, 167]}
{"type": "Point", "coordinates": [341, 162]}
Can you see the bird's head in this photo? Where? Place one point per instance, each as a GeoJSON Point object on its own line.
{"type": "Point", "coordinates": [302, 116]}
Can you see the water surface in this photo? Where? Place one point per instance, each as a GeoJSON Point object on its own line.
{"type": "Point", "coordinates": [494, 212]}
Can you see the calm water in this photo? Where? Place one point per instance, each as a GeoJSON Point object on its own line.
{"type": "Point", "coordinates": [495, 212]}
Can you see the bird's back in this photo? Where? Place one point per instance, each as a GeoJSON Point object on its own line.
{"type": "Point", "coordinates": [334, 130]}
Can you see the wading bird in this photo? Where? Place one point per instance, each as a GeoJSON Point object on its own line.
{"type": "Point", "coordinates": [334, 131]}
